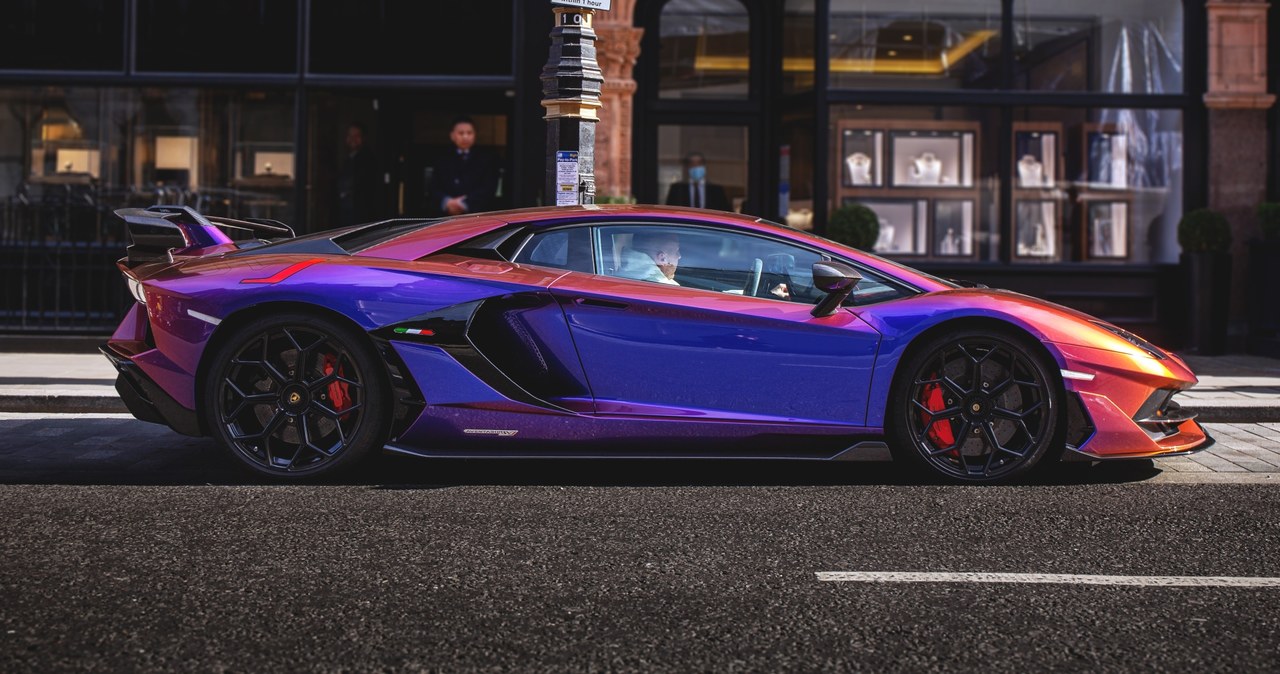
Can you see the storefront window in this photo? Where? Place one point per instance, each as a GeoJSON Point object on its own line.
{"type": "Point", "coordinates": [795, 171]}
{"type": "Point", "coordinates": [412, 37]}
{"type": "Point", "coordinates": [1112, 46]}
{"type": "Point", "coordinates": [62, 35]}
{"type": "Point", "coordinates": [706, 49]}
{"type": "Point", "coordinates": [184, 36]}
{"type": "Point", "coordinates": [721, 150]}
{"type": "Point", "coordinates": [797, 46]}
{"type": "Point", "coordinates": [80, 153]}
{"type": "Point", "coordinates": [1109, 180]}
{"type": "Point", "coordinates": [77, 154]}
{"type": "Point", "coordinates": [930, 175]}
{"type": "Point", "coordinates": [890, 44]}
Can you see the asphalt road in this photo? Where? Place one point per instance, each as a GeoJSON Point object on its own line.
{"type": "Point", "coordinates": [167, 562]}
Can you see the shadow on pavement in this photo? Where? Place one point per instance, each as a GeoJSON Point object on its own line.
{"type": "Point", "coordinates": [95, 451]}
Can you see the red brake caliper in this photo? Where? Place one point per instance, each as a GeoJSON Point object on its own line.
{"type": "Point", "coordinates": [337, 389]}
{"type": "Point", "coordinates": [939, 432]}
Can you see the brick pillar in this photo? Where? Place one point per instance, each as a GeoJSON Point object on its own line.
{"type": "Point", "coordinates": [1238, 101]}
{"type": "Point", "coordinates": [617, 48]}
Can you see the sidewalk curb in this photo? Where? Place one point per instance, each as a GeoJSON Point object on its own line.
{"type": "Point", "coordinates": [78, 404]}
{"type": "Point", "coordinates": [62, 404]}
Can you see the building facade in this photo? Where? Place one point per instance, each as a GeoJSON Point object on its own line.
{"type": "Point", "coordinates": [1030, 144]}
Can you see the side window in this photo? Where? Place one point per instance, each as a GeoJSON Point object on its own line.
{"type": "Point", "coordinates": [560, 249]}
{"type": "Point", "coordinates": [874, 288]}
{"type": "Point", "coordinates": [710, 259]}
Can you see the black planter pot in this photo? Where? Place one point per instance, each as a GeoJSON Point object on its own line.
{"type": "Point", "coordinates": [1209, 288]}
{"type": "Point", "coordinates": [1263, 290]}
{"type": "Point", "coordinates": [1264, 287]}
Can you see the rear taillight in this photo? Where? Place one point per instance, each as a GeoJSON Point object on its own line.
{"type": "Point", "coordinates": [136, 289]}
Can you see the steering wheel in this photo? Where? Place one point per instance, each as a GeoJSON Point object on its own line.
{"type": "Point", "coordinates": [753, 281]}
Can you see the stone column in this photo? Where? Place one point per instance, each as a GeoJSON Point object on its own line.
{"type": "Point", "coordinates": [617, 48]}
{"type": "Point", "coordinates": [1238, 101]}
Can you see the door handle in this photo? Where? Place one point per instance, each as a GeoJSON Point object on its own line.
{"type": "Point", "coordinates": [592, 302]}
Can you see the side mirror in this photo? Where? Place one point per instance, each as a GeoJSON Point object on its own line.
{"type": "Point", "coordinates": [837, 280]}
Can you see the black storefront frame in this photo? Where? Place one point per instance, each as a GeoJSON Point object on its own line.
{"type": "Point", "coordinates": [302, 82]}
{"type": "Point", "coordinates": [765, 106]}
{"type": "Point", "coordinates": [86, 311]}
{"type": "Point", "coordinates": [766, 83]}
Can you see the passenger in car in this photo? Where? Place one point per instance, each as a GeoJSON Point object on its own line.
{"type": "Point", "coordinates": [652, 256]}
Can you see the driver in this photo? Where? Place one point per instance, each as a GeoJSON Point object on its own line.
{"type": "Point", "coordinates": [653, 256]}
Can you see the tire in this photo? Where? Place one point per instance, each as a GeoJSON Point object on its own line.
{"type": "Point", "coordinates": [976, 406]}
{"type": "Point", "coordinates": [296, 396]}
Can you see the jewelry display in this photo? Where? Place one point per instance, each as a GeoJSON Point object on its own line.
{"type": "Point", "coordinates": [926, 169]}
{"type": "Point", "coordinates": [1030, 172]}
{"type": "Point", "coordinates": [1037, 229]}
{"type": "Point", "coordinates": [918, 177]}
{"type": "Point", "coordinates": [863, 152]}
{"type": "Point", "coordinates": [953, 227]}
{"type": "Point", "coordinates": [859, 166]}
{"type": "Point", "coordinates": [1109, 229]}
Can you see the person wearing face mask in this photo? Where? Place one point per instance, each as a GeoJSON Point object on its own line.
{"type": "Point", "coordinates": [696, 191]}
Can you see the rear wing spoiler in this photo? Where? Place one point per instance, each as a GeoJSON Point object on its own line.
{"type": "Point", "coordinates": [157, 231]}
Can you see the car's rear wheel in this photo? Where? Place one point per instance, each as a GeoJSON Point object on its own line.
{"type": "Point", "coordinates": [976, 407]}
{"type": "Point", "coordinates": [296, 396]}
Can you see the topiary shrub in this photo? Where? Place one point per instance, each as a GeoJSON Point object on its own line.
{"type": "Point", "coordinates": [1269, 220]}
{"type": "Point", "coordinates": [1204, 231]}
{"type": "Point", "coordinates": [854, 225]}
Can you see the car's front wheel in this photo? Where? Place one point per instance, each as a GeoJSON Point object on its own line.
{"type": "Point", "coordinates": [296, 396]}
{"type": "Point", "coordinates": [976, 407]}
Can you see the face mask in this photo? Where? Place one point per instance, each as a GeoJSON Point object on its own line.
{"type": "Point", "coordinates": [697, 173]}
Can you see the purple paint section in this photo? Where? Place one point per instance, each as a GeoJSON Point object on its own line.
{"type": "Point", "coordinates": [717, 355]}
{"type": "Point", "coordinates": [448, 383]}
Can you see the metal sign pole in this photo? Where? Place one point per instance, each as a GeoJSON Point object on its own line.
{"type": "Point", "coordinates": [571, 82]}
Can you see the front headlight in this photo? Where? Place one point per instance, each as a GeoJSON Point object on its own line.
{"type": "Point", "coordinates": [135, 289]}
{"type": "Point", "coordinates": [1133, 339]}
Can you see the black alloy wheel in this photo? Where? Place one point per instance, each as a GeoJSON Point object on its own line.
{"type": "Point", "coordinates": [976, 407]}
{"type": "Point", "coordinates": [296, 396]}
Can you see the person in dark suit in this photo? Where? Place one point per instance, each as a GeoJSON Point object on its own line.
{"type": "Point", "coordinates": [696, 191]}
{"type": "Point", "coordinates": [465, 180]}
{"type": "Point", "coordinates": [357, 181]}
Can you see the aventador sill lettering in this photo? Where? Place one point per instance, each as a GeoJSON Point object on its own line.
{"type": "Point", "coordinates": [504, 433]}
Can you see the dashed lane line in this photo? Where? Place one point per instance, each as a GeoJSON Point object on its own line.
{"type": "Point", "coordinates": [1045, 578]}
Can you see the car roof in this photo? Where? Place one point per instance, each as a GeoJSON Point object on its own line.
{"type": "Point", "coordinates": [440, 235]}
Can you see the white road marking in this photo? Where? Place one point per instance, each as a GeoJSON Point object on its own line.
{"type": "Point", "coordinates": [1043, 578]}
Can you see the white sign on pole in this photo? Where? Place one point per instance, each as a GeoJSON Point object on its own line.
{"type": "Point", "coordinates": [602, 5]}
{"type": "Point", "coordinates": [567, 178]}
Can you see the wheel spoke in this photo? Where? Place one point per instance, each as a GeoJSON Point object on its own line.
{"type": "Point", "coordinates": [246, 401]}
{"type": "Point", "coordinates": [989, 432]}
{"type": "Point", "coordinates": [947, 413]}
{"type": "Point", "coordinates": [332, 413]}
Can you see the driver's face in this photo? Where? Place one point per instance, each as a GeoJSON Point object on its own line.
{"type": "Point", "coordinates": [668, 258]}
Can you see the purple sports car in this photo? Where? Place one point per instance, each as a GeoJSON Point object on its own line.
{"type": "Point", "coordinates": [614, 331]}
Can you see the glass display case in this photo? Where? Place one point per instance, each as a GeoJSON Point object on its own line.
{"type": "Point", "coordinates": [1108, 229]}
{"type": "Point", "coordinates": [863, 152]}
{"type": "Point", "coordinates": [932, 158]}
{"type": "Point", "coordinates": [903, 225]}
{"type": "Point", "coordinates": [920, 179]}
{"type": "Point", "coordinates": [953, 228]}
{"type": "Point", "coordinates": [1037, 230]}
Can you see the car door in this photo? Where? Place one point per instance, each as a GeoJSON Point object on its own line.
{"type": "Point", "coordinates": [701, 344]}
